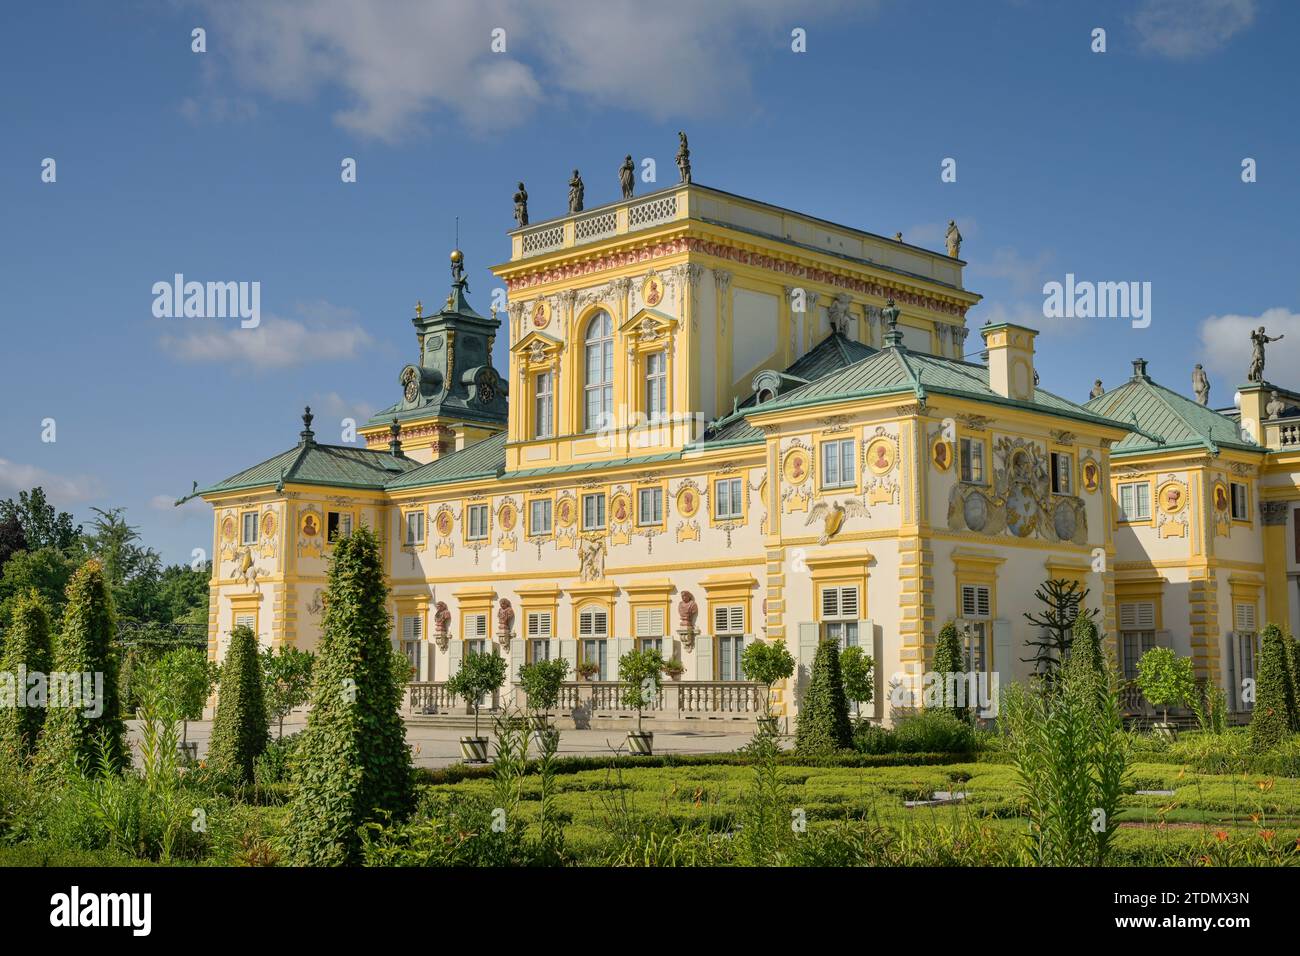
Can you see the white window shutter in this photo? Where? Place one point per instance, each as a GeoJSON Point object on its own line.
{"type": "Point", "coordinates": [809, 636]}
{"type": "Point", "coordinates": [720, 619]}
{"type": "Point", "coordinates": [621, 646]}
{"type": "Point", "coordinates": [848, 602]}
{"type": "Point", "coordinates": [704, 658]}
{"type": "Point", "coordinates": [568, 651]}
{"type": "Point", "coordinates": [455, 653]}
{"type": "Point", "coordinates": [1244, 617]}
{"type": "Point", "coordinates": [737, 618]}
{"type": "Point", "coordinates": [830, 602]}
{"type": "Point", "coordinates": [1165, 639]}
{"type": "Point", "coordinates": [1003, 655]}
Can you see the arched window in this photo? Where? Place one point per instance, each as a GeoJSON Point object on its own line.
{"type": "Point", "coordinates": [599, 381]}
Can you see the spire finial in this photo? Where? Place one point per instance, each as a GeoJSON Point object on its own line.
{"type": "Point", "coordinates": [395, 438]}
{"type": "Point", "coordinates": [1140, 368]}
{"type": "Point", "coordinates": [890, 313]}
{"type": "Point", "coordinates": [419, 308]}
{"type": "Point", "coordinates": [307, 435]}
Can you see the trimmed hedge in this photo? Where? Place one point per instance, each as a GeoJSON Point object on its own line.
{"type": "Point", "coordinates": [240, 731]}
{"type": "Point", "coordinates": [822, 725]}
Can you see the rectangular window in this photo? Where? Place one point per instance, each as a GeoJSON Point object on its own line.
{"type": "Point", "coordinates": [543, 409]}
{"type": "Point", "coordinates": [1137, 628]}
{"type": "Point", "coordinates": [476, 633]}
{"type": "Point", "coordinates": [477, 516]}
{"type": "Point", "coordinates": [727, 501]}
{"type": "Point", "coordinates": [729, 632]}
{"type": "Point", "coordinates": [593, 512]}
{"type": "Point", "coordinates": [975, 641]}
{"type": "Point", "coordinates": [338, 524]}
{"type": "Point", "coordinates": [650, 506]}
{"type": "Point", "coordinates": [249, 528]}
{"type": "Point", "coordinates": [412, 634]}
{"type": "Point", "coordinates": [976, 609]}
{"type": "Point", "coordinates": [650, 629]}
{"type": "Point", "coordinates": [656, 386]}
{"type": "Point", "coordinates": [414, 529]}
{"type": "Point", "coordinates": [840, 608]}
{"type": "Point", "coordinates": [539, 516]}
{"type": "Point", "coordinates": [1061, 474]}
{"type": "Point", "coordinates": [1240, 501]}
{"type": "Point", "coordinates": [595, 651]}
{"type": "Point", "coordinates": [972, 460]}
{"type": "Point", "coordinates": [1135, 501]}
{"type": "Point", "coordinates": [539, 636]}
{"type": "Point", "coordinates": [976, 601]}
{"type": "Point", "coordinates": [837, 464]}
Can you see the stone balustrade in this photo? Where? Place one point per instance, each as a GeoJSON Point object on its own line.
{"type": "Point", "coordinates": [583, 700]}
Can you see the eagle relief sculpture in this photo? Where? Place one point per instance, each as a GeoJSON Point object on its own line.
{"type": "Point", "coordinates": [833, 514]}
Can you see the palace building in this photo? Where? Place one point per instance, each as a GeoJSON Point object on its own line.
{"type": "Point", "coordinates": [725, 422]}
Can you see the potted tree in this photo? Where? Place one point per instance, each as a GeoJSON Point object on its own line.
{"type": "Point", "coordinates": [541, 682]}
{"type": "Point", "coordinates": [1165, 678]}
{"type": "Point", "coordinates": [640, 672]}
{"type": "Point", "coordinates": [767, 662]}
{"type": "Point", "coordinates": [674, 668]}
{"type": "Point", "coordinates": [479, 674]}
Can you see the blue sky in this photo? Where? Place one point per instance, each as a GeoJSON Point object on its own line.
{"type": "Point", "coordinates": [224, 166]}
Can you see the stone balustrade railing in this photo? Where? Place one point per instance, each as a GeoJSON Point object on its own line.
{"type": "Point", "coordinates": [677, 699]}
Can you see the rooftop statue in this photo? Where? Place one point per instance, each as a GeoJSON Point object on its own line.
{"type": "Point", "coordinates": [954, 239]}
{"type": "Point", "coordinates": [576, 189]}
{"type": "Point", "coordinates": [683, 158]}
{"type": "Point", "coordinates": [627, 176]}
{"type": "Point", "coordinates": [1258, 340]}
{"type": "Point", "coordinates": [1201, 384]}
{"type": "Point", "coordinates": [1097, 390]}
{"type": "Point", "coordinates": [521, 206]}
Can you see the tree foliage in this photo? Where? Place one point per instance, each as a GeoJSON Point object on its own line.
{"type": "Point", "coordinates": [75, 736]}
{"type": "Point", "coordinates": [858, 669]}
{"type": "Point", "coordinates": [239, 730]}
{"type": "Point", "coordinates": [1063, 603]}
{"type": "Point", "coordinates": [1166, 679]}
{"type": "Point", "coordinates": [767, 662]}
{"type": "Point", "coordinates": [949, 658]}
{"type": "Point", "coordinates": [1275, 705]}
{"type": "Point", "coordinates": [287, 672]}
{"type": "Point", "coordinates": [353, 767]}
{"type": "Point", "coordinates": [479, 674]}
{"type": "Point", "coordinates": [822, 725]}
{"type": "Point", "coordinates": [26, 651]}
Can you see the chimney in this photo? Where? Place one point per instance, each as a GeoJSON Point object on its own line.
{"type": "Point", "coordinates": [1010, 350]}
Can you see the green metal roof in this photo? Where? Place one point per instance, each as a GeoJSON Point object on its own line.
{"type": "Point", "coordinates": [1164, 420]}
{"type": "Point", "coordinates": [895, 370]}
{"type": "Point", "coordinates": [339, 466]}
{"type": "Point", "coordinates": [831, 354]}
{"type": "Point", "coordinates": [483, 459]}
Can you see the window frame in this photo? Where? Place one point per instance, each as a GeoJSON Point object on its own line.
{"type": "Point", "coordinates": [966, 444]}
{"type": "Point", "coordinates": [843, 451]}
{"type": "Point", "coordinates": [244, 540]}
{"type": "Point", "coordinates": [1244, 517]}
{"type": "Point", "coordinates": [1120, 515]}
{"type": "Point", "coordinates": [656, 385]}
{"type": "Point", "coordinates": [1062, 475]}
{"type": "Point", "coordinates": [604, 517]}
{"type": "Point", "coordinates": [603, 389]}
{"type": "Point", "coordinates": [657, 494]}
{"type": "Point", "coordinates": [544, 405]}
{"type": "Point", "coordinates": [549, 508]}
{"type": "Point", "coordinates": [407, 540]}
{"type": "Point", "coordinates": [473, 510]}
{"type": "Point", "coordinates": [737, 501]}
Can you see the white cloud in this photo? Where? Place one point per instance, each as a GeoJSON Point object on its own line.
{"type": "Point", "coordinates": [393, 62]}
{"type": "Point", "coordinates": [330, 334]}
{"type": "Point", "coordinates": [1226, 346]}
{"type": "Point", "coordinates": [61, 489]}
{"type": "Point", "coordinates": [1181, 29]}
{"type": "Point", "coordinates": [332, 405]}
{"type": "Point", "coordinates": [1025, 276]}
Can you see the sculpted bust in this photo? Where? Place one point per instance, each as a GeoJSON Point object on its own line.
{"type": "Point", "coordinates": [687, 611]}
{"type": "Point", "coordinates": [505, 616]}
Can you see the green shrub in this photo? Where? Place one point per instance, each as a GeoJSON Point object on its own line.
{"type": "Point", "coordinates": [354, 767]}
{"type": "Point", "coordinates": [858, 669]}
{"type": "Point", "coordinates": [1085, 643]}
{"type": "Point", "coordinates": [182, 680]}
{"type": "Point", "coordinates": [933, 731]}
{"type": "Point", "coordinates": [26, 647]}
{"type": "Point", "coordinates": [287, 672]}
{"type": "Point", "coordinates": [822, 726]}
{"type": "Point", "coordinates": [448, 830]}
{"type": "Point", "coordinates": [949, 658]}
{"type": "Point", "coordinates": [239, 731]}
{"type": "Point", "coordinates": [479, 674]}
{"type": "Point", "coordinates": [1165, 678]}
{"type": "Point", "coordinates": [274, 765]}
{"type": "Point", "coordinates": [871, 738]}
{"type": "Point", "coordinates": [541, 681]}
{"type": "Point", "coordinates": [640, 672]}
{"type": "Point", "coordinates": [73, 739]}
{"type": "Point", "coordinates": [1275, 707]}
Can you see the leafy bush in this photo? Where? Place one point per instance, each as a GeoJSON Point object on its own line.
{"type": "Point", "coordinates": [767, 662]}
{"type": "Point", "coordinates": [73, 739]}
{"type": "Point", "coordinates": [933, 731]}
{"type": "Point", "coordinates": [239, 731]}
{"type": "Point", "coordinates": [858, 669]}
{"type": "Point", "coordinates": [1085, 643]}
{"type": "Point", "coordinates": [541, 682]}
{"type": "Point", "coordinates": [641, 673]}
{"type": "Point", "coordinates": [26, 646]}
{"type": "Point", "coordinates": [479, 674]}
{"type": "Point", "coordinates": [822, 726]}
{"type": "Point", "coordinates": [1165, 678]}
{"type": "Point", "coordinates": [448, 830]}
{"type": "Point", "coordinates": [287, 672]}
{"type": "Point", "coordinates": [949, 658]}
{"type": "Point", "coordinates": [354, 767]}
{"type": "Point", "coordinates": [1069, 749]}
{"type": "Point", "coordinates": [1275, 706]}
{"type": "Point", "coordinates": [275, 764]}
{"type": "Point", "coordinates": [181, 681]}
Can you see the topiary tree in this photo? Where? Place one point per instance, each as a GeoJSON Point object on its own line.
{"type": "Point", "coordinates": [541, 681]}
{"type": "Point", "coordinates": [1085, 643]}
{"type": "Point", "coordinates": [949, 658]}
{"type": "Point", "coordinates": [353, 765]}
{"type": "Point", "coordinates": [75, 736]}
{"type": "Point", "coordinates": [479, 674]}
{"type": "Point", "coordinates": [1293, 673]}
{"type": "Point", "coordinates": [287, 674]}
{"type": "Point", "coordinates": [1165, 678]}
{"type": "Point", "coordinates": [822, 726]}
{"type": "Point", "coordinates": [240, 729]}
{"type": "Point", "coordinates": [1063, 604]}
{"type": "Point", "coordinates": [858, 670]}
{"type": "Point", "coordinates": [767, 662]}
{"type": "Point", "coordinates": [641, 672]}
{"type": "Point", "coordinates": [26, 649]}
{"type": "Point", "coordinates": [1274, 703]}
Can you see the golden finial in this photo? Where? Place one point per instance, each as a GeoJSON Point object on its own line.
{"type": "Point", "coordinates": [419, 308]}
